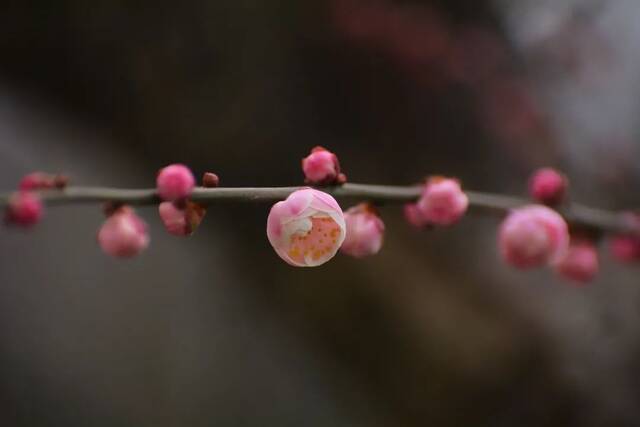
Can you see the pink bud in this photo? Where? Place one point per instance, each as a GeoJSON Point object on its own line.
{"type": "Point", "coordinates": [625, 248]}
{"type": "Point", "coordinates": [533, 236]}
{"type": "Point", "coordinates": [181, 221]}
{"type": "Point", "coordinates": [123, 234]}
{"type": "Point", "coordinates": [25, 209]}
{"type": "Point", "coordinates": [321, 167]}
{"type": "Point", "coordinates": [34, 181]}
{"type": "Point", "coordinates": [442, 202]}
{"type": "Point", "coordinates": [42, 181]}
{"type": "Point", "coordinates": [413, 216]}
{"type": "Point", "coordinates": [175, 182]}
{"type": "Point", "coordinates": [580, 263]}
{"type": "Point", "coordinates": [306, 229]}
{"type": "Point", "coordinates": [365, 231]}
{"type": "Point", "coordinates": [548, 186]}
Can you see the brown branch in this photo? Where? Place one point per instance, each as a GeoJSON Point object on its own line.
{"type": "Point", "coordinates": [483, 203]}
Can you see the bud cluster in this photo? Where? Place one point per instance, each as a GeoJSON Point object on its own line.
{"type": "Point", "coordinates": [309, 227]}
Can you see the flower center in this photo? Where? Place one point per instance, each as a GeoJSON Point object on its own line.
{"type": "Point", "coordinates": [317, 243]}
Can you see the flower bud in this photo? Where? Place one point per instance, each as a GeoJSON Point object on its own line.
{"type": "Point", "coordinates": [548, 186]}
{"type": "Point", "coordinates": [210, 180]}
{"type": "Point", "coordinates": [42, 181]}
{"type": "Point", "coordinates": [580, 263]}
{"type": "Point", "coordinates": [175, 182]}
{"type": "Point", "coordinates": [123, 234]}
{"type": "Point", "coordinates": [625, 248]}
{"type": "Point", "coordinates": [181, 220]}
{"type": "Point", "coordinates": [442, 202]}
{"type": "Point", "coordinates": [533, 236]}
{"type": "Point", "coordinates": [25, 209]}
{"type": "Point", "coordinates": [321, 167]}
{"type": "Point", "coordinates": [306, 229]}
{"type": "Point", "coordinates": [413, 215]}
{"type": "Point", "coordinates": [365, 231]}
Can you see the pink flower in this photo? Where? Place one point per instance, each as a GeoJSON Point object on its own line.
{"type": "Point", "coordinates": [42, 181]}
{"type": "Point", "coordinates": [413, 216]}
{"type": "Point", "coordinates": [306, 229]}
{"type": "Point", "coordinates": [365, 231]}
{"type": "Point", "coordinates": [625, 248]}
{"type": "Point", "coordinates": [442, 202]}
{"type": "Point", "coordinates": [533, 236]}
{"type": "Point", "coordinates": [548, 186]}
{"type": "Point", "coordinates": [580, 263]}
{"type": "Point", "coordinates": [175, 182]}
{"type": "Point", "coordinates": [321, 167]}
{"type": "Point", "coordinates": [181, 221]}
{"type": "Point", "coordinates": [123, 234]}
{"type": "Point", "coordinates": [25, 209]}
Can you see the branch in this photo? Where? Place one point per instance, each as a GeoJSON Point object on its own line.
{"type": "Point", "coordinates": [482, 203]}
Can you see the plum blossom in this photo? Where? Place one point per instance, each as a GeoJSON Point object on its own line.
{"type": "Point", "coordinates": [306, 229]}
{"type": "Point", "coordinates": [413, 216]}
{"type": "Point", "coordinates": [42, 181]}
{"type": "Point", "coordinates": [548, 186]}
{"type": "Point", "coordinates": [625, 248]}
{"type": "Point", "coordinates": [321, 167]}
{"type": "Point", "coordinates": [175, 182]}
{"type": "Point", "coordinates": [533, 236]}
{"type": "Point", "coordinates": [580, 263]}
{"type": "Point", "coordinates": [181, 220]}
{"type": "Point", "coordinates": [123, 234]}
{"type": "Point", "coordinates": [365, 231]}
{"type": "Point", "coordinates": [25, 209]}
{"type": "Point", "coordinates": [442, 201]}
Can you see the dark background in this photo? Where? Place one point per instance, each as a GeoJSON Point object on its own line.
{"type": "Point", "coordinates": [215, 329]}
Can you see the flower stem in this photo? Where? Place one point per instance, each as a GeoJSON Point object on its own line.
{"type": "Point", "coordinates": [482, 203]}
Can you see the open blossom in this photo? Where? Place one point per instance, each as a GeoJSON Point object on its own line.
{"type": "Point", "coordinates": [123, 234]}
{"type": "Point", "coordinates": [442, 202]}
{"type": "Point", "coordinates": [181, 220]}
{"type": "Point", "coordinates": [306, 229]}
{"type": "Point", "coordinates": [580, 263]}
{"type": "Point", "coordinates": [175, 182]}
{"type": "Point", "coordinates": [548, 186]}
{"type": "Point", "coordinates": [25, 209]}
{"type": "Point", "coordinates": [533, 236]}
{"type": "Point", "coordinates": [321, 167]}
{"type": "Point", "coordinates": [365, 231]}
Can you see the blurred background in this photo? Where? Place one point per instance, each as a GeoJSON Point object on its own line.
{"type": "Point", "coordinates": [216, 329]}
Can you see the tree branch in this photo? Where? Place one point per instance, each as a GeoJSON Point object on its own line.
{"type": "Point", "coordinates": [483, 203]}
